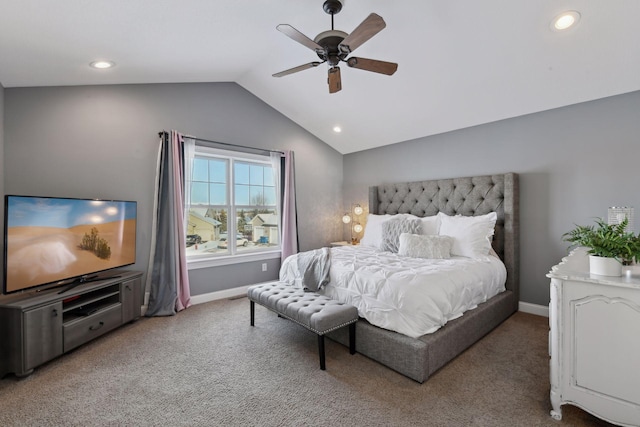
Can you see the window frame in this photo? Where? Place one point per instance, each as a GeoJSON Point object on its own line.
{"type": "Point", "coordinates": [232, 255]}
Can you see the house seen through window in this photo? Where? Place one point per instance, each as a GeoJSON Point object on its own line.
{"type": "Point", "coordinates": [232, 204]}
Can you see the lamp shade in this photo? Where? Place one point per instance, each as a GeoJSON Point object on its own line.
{"type": "Point", "coordinates": [357, 227]}
{"type": "Point", "coordinates": [358, 210]}
{"type": "Point", "coordinates": [346, 218]}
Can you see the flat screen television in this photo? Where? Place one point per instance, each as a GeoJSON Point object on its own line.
{"type": "Point", "coordinates": [52, 241]}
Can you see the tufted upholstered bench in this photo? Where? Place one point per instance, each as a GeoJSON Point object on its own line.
{"type": "Point", "coordinates": [318, 313]}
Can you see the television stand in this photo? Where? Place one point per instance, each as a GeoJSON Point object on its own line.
{"type": "Point", "coordinates": [83, 280]}
{"type": "Point", "coordinates": [36, 327]}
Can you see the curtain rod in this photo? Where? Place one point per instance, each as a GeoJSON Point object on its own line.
{"type": "Point", "coordinates": [263, 150]}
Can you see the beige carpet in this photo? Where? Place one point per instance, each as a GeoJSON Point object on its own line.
{"type": "Point", "coordinates": [208, 367]}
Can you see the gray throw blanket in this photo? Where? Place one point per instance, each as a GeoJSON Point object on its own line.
{"type": "Point", "coordinates": [314, 266]}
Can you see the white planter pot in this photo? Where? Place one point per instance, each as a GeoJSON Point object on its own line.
{"type": "Point", "coordinates": [604, 266]}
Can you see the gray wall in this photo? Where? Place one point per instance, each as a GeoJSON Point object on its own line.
{"type": "Point", "coordinates": [574, 163]}
{"type": "Point", "coordinates": [1, 143]}
{"type": "Point", "coordinates": [1, 169]}
{"type": "Point", "coordinates": [101, 142]}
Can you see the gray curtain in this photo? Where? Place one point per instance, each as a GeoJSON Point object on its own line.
{"type": "Point", "coordinates": [289, 211]}
{"type": "Point", "coordinates": [167, 279]}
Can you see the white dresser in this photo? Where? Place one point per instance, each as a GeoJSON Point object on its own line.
{"type": "Point", "coordinates": [594, 342]}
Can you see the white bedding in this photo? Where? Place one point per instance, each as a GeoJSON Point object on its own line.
{"type": "Point", "coordinates": [412, 296]}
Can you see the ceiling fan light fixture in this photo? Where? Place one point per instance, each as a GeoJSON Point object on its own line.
{"type": "Point", "coordinates": [565, 20]}
{"type": "Point", "coordinates": [328, 36]}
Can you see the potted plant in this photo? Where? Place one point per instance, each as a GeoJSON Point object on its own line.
{"type": "Point", "coordinates": [610, 246]}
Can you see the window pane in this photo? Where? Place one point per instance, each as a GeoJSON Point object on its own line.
{"type": "Point", "coordinates": [257, 196]}
{"type": "Point", "coordinates": [268, 176]}
{"type": "Point", "coordinates": [257, 175]}
{"type": "Point", "coordinates": [206, 229]}
{"type": "Point", "coordinates": [262, 229]}
{"type": "Point", "coordinates": [200, 227]}
{"type": "Point", "coordinates": [241, 173]}
{"type": "Point", "coordinates": [270, 196]}
{"type": "Point", "coordinates": [242, 195]}
{"type": "Point", "coordinates": [218, 194]}
{"type": "Point", "coordinates": [244, 222]}
{"type": "Point", "coordinates": [200, 170]}
{"type": "Point", "coordinates": [220, 216]}
{"type": "Point", "coordinates": [199, 193]}
{"type": "Point", "coordinates": [218, 171]}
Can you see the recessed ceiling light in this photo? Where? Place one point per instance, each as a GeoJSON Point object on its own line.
{"type": "Point", "coordinates": [337, 129]}
{"type": "Point", "coordinates": [102, 64]}
{"type": "Point", "coordinates": [565, 20]}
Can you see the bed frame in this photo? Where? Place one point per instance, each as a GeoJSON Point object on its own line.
{"type": "Point", "coordinates": [419, 358]}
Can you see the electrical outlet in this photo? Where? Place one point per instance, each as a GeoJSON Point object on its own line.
{"type": "Point", "coordinates": [264, 266]}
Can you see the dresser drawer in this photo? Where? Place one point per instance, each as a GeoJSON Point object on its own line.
{"type": "Point", "coordinates": [84, 329]}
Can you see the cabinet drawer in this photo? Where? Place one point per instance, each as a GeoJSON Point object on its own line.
{"type": "Point", "coordinates": [81, 330]}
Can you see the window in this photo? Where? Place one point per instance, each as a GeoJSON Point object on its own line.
{"type": "Point", "coordinates": [232, 204]}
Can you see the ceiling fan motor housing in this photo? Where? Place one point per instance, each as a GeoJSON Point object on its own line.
{"type": "Point", "coordinates": [330, 40]}
{"type": "Point", "coordinates": [332, 6]}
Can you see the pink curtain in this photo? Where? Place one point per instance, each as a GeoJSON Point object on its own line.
{"type": "Point", "coordinates": [289, 215]}
{"type": "Point", "coordinates": [168, 279]}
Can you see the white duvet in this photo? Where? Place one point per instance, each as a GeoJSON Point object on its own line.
{"type": "Point", "coordinates": [412, 296]}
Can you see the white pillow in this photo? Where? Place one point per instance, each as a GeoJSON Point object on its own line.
{"type": "Point", "coordinates": [373, 230]}
{"type": "Point", "coordinates": [430, 224]}
{"type": "Point", "coordinates": [472, 235]}
{"type": "Point", "coordinates": [425, 246]}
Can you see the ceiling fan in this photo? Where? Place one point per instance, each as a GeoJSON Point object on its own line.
{"type": "Point", "coordinates": [333, 46]}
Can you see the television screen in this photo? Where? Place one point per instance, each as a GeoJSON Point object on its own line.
{"type": "Point", "coordinates": [52, 240]}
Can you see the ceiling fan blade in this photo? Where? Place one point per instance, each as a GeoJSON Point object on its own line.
{"type": "Point", "coordinates": [296, 69]}
{"type": "Point", "coordinates": [374, 65]}
{"type": "Point", "coordinates": [335, 83]}
{"type": "Point", "coordinates": [296, 35]}
{"type": "Point", "coordinates": [368, 28]}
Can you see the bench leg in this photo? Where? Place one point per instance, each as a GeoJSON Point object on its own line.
{"type": "Point", "coordinates": [253, 312]}
{"type": "Point", "coordinates": [352, 338]}
{"type": "Point", "coordinates": [321, 351]}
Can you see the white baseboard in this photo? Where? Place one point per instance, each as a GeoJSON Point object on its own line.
{"type": "Point", "coordinates": [540, 310]}
{"type": "Point", "coordinates": [213, 296]}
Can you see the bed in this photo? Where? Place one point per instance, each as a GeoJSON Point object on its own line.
{"type": "Point", "coordinates": [415, 350]}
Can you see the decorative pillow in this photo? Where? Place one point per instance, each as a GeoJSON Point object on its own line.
{"type": "Point", "coordinates": [425, 246]}
{"type": "Point", "coordinates": [392, 229]}
{"type": "Point", "coordinates": [472, 235]}
{"type": "Point", "coordinates": [373, 230]}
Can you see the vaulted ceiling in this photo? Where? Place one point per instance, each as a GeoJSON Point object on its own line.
{"type": "Point", "coordinates": [461, 63]}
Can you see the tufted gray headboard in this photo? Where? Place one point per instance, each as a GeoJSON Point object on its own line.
{"type": "Point", "coordinates": [477, 195]}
